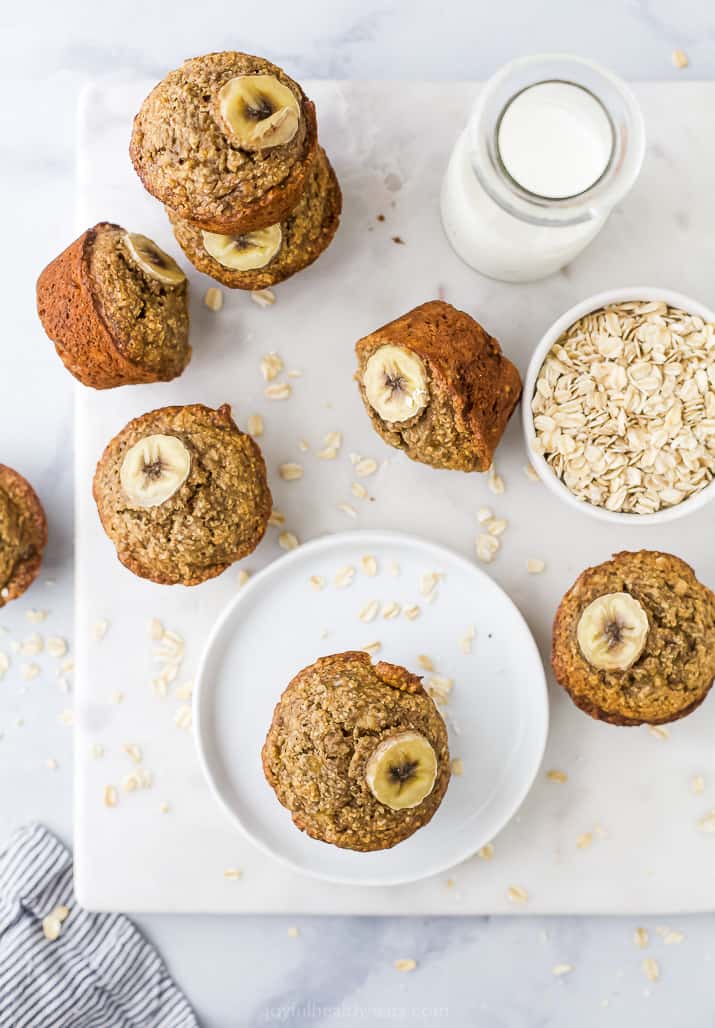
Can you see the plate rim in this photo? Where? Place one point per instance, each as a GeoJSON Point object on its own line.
{"type": "Point", "coordinates": [323, 542]}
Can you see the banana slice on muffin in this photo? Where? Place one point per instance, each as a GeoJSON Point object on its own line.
{"type": "Point", "coordinates": [266, 256]}
{"type": "Point", "coordinates": [438, 387]}
{"type": "Point", "coordinates": [182, 493]}
{"type": "Point", "coordinates": [116, 307]}
{"type": "Point", "coordinates": [358, 753]}
{"type": "Point", "coordinates": [634, 639]}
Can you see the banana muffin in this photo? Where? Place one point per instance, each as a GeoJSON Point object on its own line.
{"type": "Point", "coordinates": [23, 534]}
{"type": "Point", "coordinates": [116, 307]}
{"type": "Point", "coordinates": [182, 493]}
{"type": "Point", "coordinates": [438, 387]}
{"type": "Point", "coordinates": [357, 753]}
{"type": "Point", "coordinates": [634, 639]}
{"type": "Point", "coordinates": [269, 255]}
{"type": "Point", "coordinates": [226, 141]}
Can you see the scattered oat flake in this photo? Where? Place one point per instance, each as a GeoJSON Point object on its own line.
{"type": "Point", "coordinates": [405, 965]}
{"type": "Point", "coordinates": [213, 298]}
{"type": "Point", "coordinates": [276, 518]}
{"type": "Point", "coordinates": [111, 796]}
{"type": "Point", "coordinates": [303, 445]}
{"type": "Point", "coordinates": [31, 646]}
{"type": "Point", "coordinates": [369, 612]}
{"type": "Point", "coordinates": [67, 717]}
{"type": "Point", "coordinates": [291, 472]}
{"type": "Point", "coordinates": [29, 671]}
{"type": "Point", "coordinates": [672, 937]}
{"type": "Point", "coordinates": [183, 717]}
{"type": "Point", "coordinates": [117, 696]}
{"type": "Point", "coordinates": [345, 576]}
{"type": "Point", "coordinates": [4, 663]}
{"type": "Point", "coordinates": [487, 547]}
{"type": "Point", "coordinates": [333, 440]}
{"type": "Point", "coordinates": [359, 491]}
{"type": "Point", "coordinates": [640, 938]}
{"type": "Point", "coordinates": [327, 453]}
{"type": "Point", "coordinates": [517, 894]}
{"type": "Point", "coordinates": [156, 629]}
{"type": "Point", "coordinates": [243, 577]}
{"type": "Point", "coordinates": [100, 629]}
{"type": "Point", "coordinates": [373, 647]}
{"type": "Point", "coordinates": [561, 969]}
{"type": "Point", "coordinates": [133, 752]}
{"type": "Point", "coordinates": [185, 691]}
{"type": "Point", "coordinates": [366, 466]}
{"type": "Point", "coordinates": [345, 508]}
{"type": "Point", "coordinates": [496, 482]}
{"type": "Point", "coordinates": [659, 732]}
{"type": "Point", "coordinates": [557, 776]}
{"type": "Point", "coordinates": [280, 391]}
{"type": "Point", "coordinates": [391, 610]}
{"type": "Point", "coordinates": [584, 840]}
{"type": "Point", "coordinates": [355, 458]}
{"type": "Point", "coordinates": [52, 923]}
{"type": "Point", "coordinates": [51, 764]}
{"type": "Point", "coordinates": [535, 566]}
{"type": "Point", "coordinates": [56, 646]}
{"type": "Point", "coordinates": [531, 472]}
{"type": "Point", "coordinates": [164, 807]}
{"type": "Point", "coordinates": [317, 582]}
{"type": "Point", "coordinates": [429, 582]}
{"type": "Point", "coordinates": [698, 784]}
{"type": "Point", "coordinates": [680, 59]}
{"type": "Point", "coordinates": [35, 616]}
{"type": "Point", "coordinates": [457, 767]}
{"type": "Point", "coordinates": [439, 688]}
{"type": "Point", "coordinates": [465, 643]}
{"type": "Point", "coordinates": [233, 873]}
{"type": "Point", "coordinates": [288, 541]}
{"type": "Point", "coordinates": [497, 526]}
{"type": "Point", "coordinates": [263, 297]}
{"type": "Point", "coordinates": [651, 969]}
{"type": "Point", "coordinates": [486, 852]}
{"type": "Point", "coordinates": [412, 612]}
{"type": "Point", "coordinates": [393, 568]}
{"type": "Point", "coordinates": [294, 373]}
{"type": "Point", "coordinates": [707, 823]}
{"type": "Point", "coordinates": [425, 662]}
{"type": "Point", "coordinates": [97, 750]}
{"type": "Point", "coordinates": [369, 565]}
{"type": "Point", "coordinates": [484, 514]}
{"type": "Point", "coordinates": [293, 932]}
{"type": "Point", "coordinates": [271, 366]}
{"type": "Point", "coordinates": [255, 425]}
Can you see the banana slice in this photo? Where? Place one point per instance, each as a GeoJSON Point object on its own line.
{"type": "Point", "coordinates": [152, 260]}
{"type": "Point", "coordinates": [395, 382]}
{"type": "Point", "coordinates": [244, 253]}
{"type": "Point", "coordinates": [612, 632]}
{"type": "Point", "coordinates": [258, 111]}
{"type": "Point", "coordinates": [153, 469]}
{"type": "Point", "coordinates": [402, 770]}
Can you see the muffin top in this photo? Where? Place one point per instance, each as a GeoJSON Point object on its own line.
{"type": "Point", "coordinates": [199, 143]}
{"type": "Point", "coordinates": [147, 316]}
{"type": "Point", "coordinates": [331, 727]}
{"type": "Point", "coordinates": [23, 534]}
{"type": "Point", "coordinates": [634, 639]}
{"type": "Point", "coordinates": [182, 493]}
{"type": "Point", "coordinates": [267, 256]}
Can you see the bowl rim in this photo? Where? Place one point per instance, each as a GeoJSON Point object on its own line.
{"type": "Point", "coordinates": [549, 337]}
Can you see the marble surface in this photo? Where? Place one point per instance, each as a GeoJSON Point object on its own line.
{"type": "Point", "coordinates": [494, 973]}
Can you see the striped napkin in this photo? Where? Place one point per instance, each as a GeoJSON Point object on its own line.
{"type": "Point", "coordinates": [63, 967]}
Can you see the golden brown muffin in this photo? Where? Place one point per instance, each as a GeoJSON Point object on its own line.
{"type": "Point", "coordinates": [23, 534]}
{"type": "Point", "coordinates": [267, 256]}
{"type": "Point", "coordinates": [182, 493]}
{"type": "Point", "coordinates": [634, 639]}
{"type": "Point", "coordinates": [116, 308]}
{"type": "Point", "coordinates": [345, 732]}
{"type": "Point", "coordinates": [200, 147]}
{"type": "Point", "coordinates": [438, 387]}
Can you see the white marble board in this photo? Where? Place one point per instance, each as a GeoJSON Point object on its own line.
{"type": "Point", "coordinates": [389, 143]}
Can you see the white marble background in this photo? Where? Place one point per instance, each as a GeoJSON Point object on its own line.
{"type": "Point", "coordinates": [491, 973]}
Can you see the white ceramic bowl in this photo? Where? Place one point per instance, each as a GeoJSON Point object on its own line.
{"type": "Point", "coordinates": [547, 476]}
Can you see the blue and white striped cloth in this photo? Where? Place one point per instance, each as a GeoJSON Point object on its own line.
{"type": "Point", "coordinates": [99, 973]}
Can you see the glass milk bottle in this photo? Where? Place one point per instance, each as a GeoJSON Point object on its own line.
{"type": "Point", "coordinates": [553, 144]}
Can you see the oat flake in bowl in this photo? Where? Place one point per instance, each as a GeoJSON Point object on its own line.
{"type": "Point", "coordinates": [624, 406]}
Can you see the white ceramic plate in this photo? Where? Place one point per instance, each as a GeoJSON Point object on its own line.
{"type": "Point", "coordinates": [277, 624]}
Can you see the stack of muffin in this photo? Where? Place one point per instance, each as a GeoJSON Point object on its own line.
{"type": "Point", "coordinates": [229, 144]}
